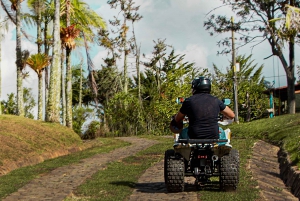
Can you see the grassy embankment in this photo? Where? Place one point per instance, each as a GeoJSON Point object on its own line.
{"type": "Point", "coordinates": [22, 139]}
{"type": "Point", "coordinates": [104, 185]}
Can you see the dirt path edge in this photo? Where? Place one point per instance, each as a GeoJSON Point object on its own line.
{"type": "Point", "coordinates": [266, 170]}
{"type": "Point", "coordinates": [289, 173]}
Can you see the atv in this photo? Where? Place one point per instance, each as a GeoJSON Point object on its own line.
{"type": "Point", "coordinates": [202, 159]}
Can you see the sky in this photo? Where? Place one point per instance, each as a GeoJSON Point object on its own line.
{"type": "Point", "coordinates": [180, 22]}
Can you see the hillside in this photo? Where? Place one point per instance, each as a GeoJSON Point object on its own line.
{"type": "Point", "coordinates": [25, 141]}
{"type": "Point", "coordinates": [283, 131]}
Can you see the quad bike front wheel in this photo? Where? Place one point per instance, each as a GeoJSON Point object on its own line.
{"type": "Point", "coordinates": [174, 172]}
{"type": "Point", "coordinates": [229, 171]}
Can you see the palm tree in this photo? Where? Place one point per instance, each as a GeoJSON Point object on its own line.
{"type": "Point", "coordinates": [68, 36]}
{"type": "Point", "coordinates": [42, 13]}
{"type": "Point", "coordinates": [52, 111]}
{"type": "Point", "coordinates": [20, 109]}
{"type": "Point", "coordinates": [77, 12]}
{"type": "Point", "coordinates": [14, 14]}
{"type": "Point", "coordinates": [3, 27]}
{"type": "Point", "coordinates": [37, 7]}
{"type": "Point", "coordinates": [38, 62]}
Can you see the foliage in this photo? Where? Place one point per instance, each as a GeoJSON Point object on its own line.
{"type": "Point", "coordinates": [80, 116]}
{"type": "Point", "coordinates": [92, 130]}
{"type": "Point", "coordinates": [38, 62]}
{"type": "Point", "coordinates": [167, 76]}
{"type": "Point", "coordinates": [76, 73]}
{"type": "Point", "coordinates": [68, 36]}
{"type": "Point", "coordinates": [29, 102]}
{"type": "Point", "coordinates": [10, 105]}
{"type": "Point", "coordinates": [250, 82]}
{"type": "Point", "coordinates": [121, 115]}
{"type": "Point", "coordinates": [290, 24]}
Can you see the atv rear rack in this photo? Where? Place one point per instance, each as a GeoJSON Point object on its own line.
{"type": "Point", "coordinates": [201, 141]}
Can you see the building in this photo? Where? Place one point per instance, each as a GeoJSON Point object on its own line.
{"type": "Point", "coordinates": [281, 94]}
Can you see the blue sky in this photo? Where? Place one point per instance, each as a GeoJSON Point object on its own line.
{"type": "Point", "coordinates": [180, 22]}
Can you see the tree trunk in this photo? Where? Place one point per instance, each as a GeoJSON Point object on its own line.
{"type": "Point", "coordinates": [40, 77]}
{"type": "Point", "coordinates": [39, 27]}
{"type": "Point", "coordinates": [63, 92]}
{"type": "Point", "coordinates": [125, 71]}
{"type": "Point", "coordinates": [80, 86]}
{"type": "Point", "coordinates": [54, 86]}
{"type": "Point", "coordinates": [46, 50]}
{"type": "Point", "coordinates": [290, 72]}
{"type": "Point", "coordinates": [248, 116]}
{"type": "Point", "coordinates": [40, 99]}
{"type": "Point", "coordinates": [68, 76]}
{"type": "Point", "coordinates": [0, 71]}
{"type": "Point", "coordinates": [20, 106]}
{"type": "Point", "coordinates": [69, 89]}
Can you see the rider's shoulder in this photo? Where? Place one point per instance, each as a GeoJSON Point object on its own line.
{"type": "Point", "coordinates": [188, 99]}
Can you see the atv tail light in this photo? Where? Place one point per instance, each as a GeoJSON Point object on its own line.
{"type": "Point", "coordinates": [201, 156]}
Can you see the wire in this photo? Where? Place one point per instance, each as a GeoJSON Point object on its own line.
{"type": "Point", "coordinates": [276, 76]}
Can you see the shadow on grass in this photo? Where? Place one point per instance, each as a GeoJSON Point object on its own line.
{"type": "Point", "coordinates": [159, 187]}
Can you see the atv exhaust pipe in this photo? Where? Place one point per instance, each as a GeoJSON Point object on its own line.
{"type": "Point", "coordinates": [214, 158]}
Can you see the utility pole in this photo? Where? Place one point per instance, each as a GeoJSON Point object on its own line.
{"type": "Point", "coordinates": [236, 112]}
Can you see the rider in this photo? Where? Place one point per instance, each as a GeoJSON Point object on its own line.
{"type": "Point", "coordinates": [202, 109]}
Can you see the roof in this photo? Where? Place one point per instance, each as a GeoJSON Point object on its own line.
{"type": "Point", "coordinates": [281, 92]}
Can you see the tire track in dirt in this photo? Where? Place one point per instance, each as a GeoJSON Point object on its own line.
{"type": "Point", "coordinates": [151, 186]}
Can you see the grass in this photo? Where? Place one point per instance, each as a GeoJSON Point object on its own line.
{"type": "Point", "coordinates": [22, 137]}
{"type": "Point", "coordinates": [283, 131]}
{"type": "Point", "coordinates": [16, 179]}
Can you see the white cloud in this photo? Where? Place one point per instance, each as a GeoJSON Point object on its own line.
{"type": "Point", "coordinates": [195, 54]}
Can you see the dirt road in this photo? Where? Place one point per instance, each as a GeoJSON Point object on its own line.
{"type": "Point", "coordinates": [60, 183]}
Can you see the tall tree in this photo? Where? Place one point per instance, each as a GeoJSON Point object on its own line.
{"type": "Point", "coordinates": [3, 29]}
{"type": "Point", "coordinates": [129, 12]}
{"type": "Point", "coordinates": [68, 36]}
{"type": "Point", "coordinates": [20, 110]}
{"type": "Point", "coordinates": [167, 76]}
{"type": "Point", "coordinates": [38, 62]}
{"type": "Point", "coordinates": [256, 17]}
{"type": "Point", "coordinates": [52, 111]}
{"type": "Point", "coordinates": [250, 83]}
{"type": "Point", "coordinates": [37, 7]}
{"type": "Point", "coordinates": [156, 62]}
{"type": "Point", "coordinates": [134, 17]}
{"type": "Point", "coordinates": [78, 19]}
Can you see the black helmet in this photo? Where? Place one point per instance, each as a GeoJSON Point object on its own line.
{"type": "Point", "coordinates": [201, 85]}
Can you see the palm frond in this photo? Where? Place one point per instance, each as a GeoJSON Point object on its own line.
{"type": "Point", "coordinates": [38, 62]}
{"type": "Point", "coordinates": [12, 17]}
{"type": "Point", "coordinates": [68, 35]}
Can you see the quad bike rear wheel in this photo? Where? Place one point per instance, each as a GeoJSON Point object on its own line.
{"type": "Point", "coordinates": [229, 171]}
{"type": "Point", "coordinates": [174, 172]}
